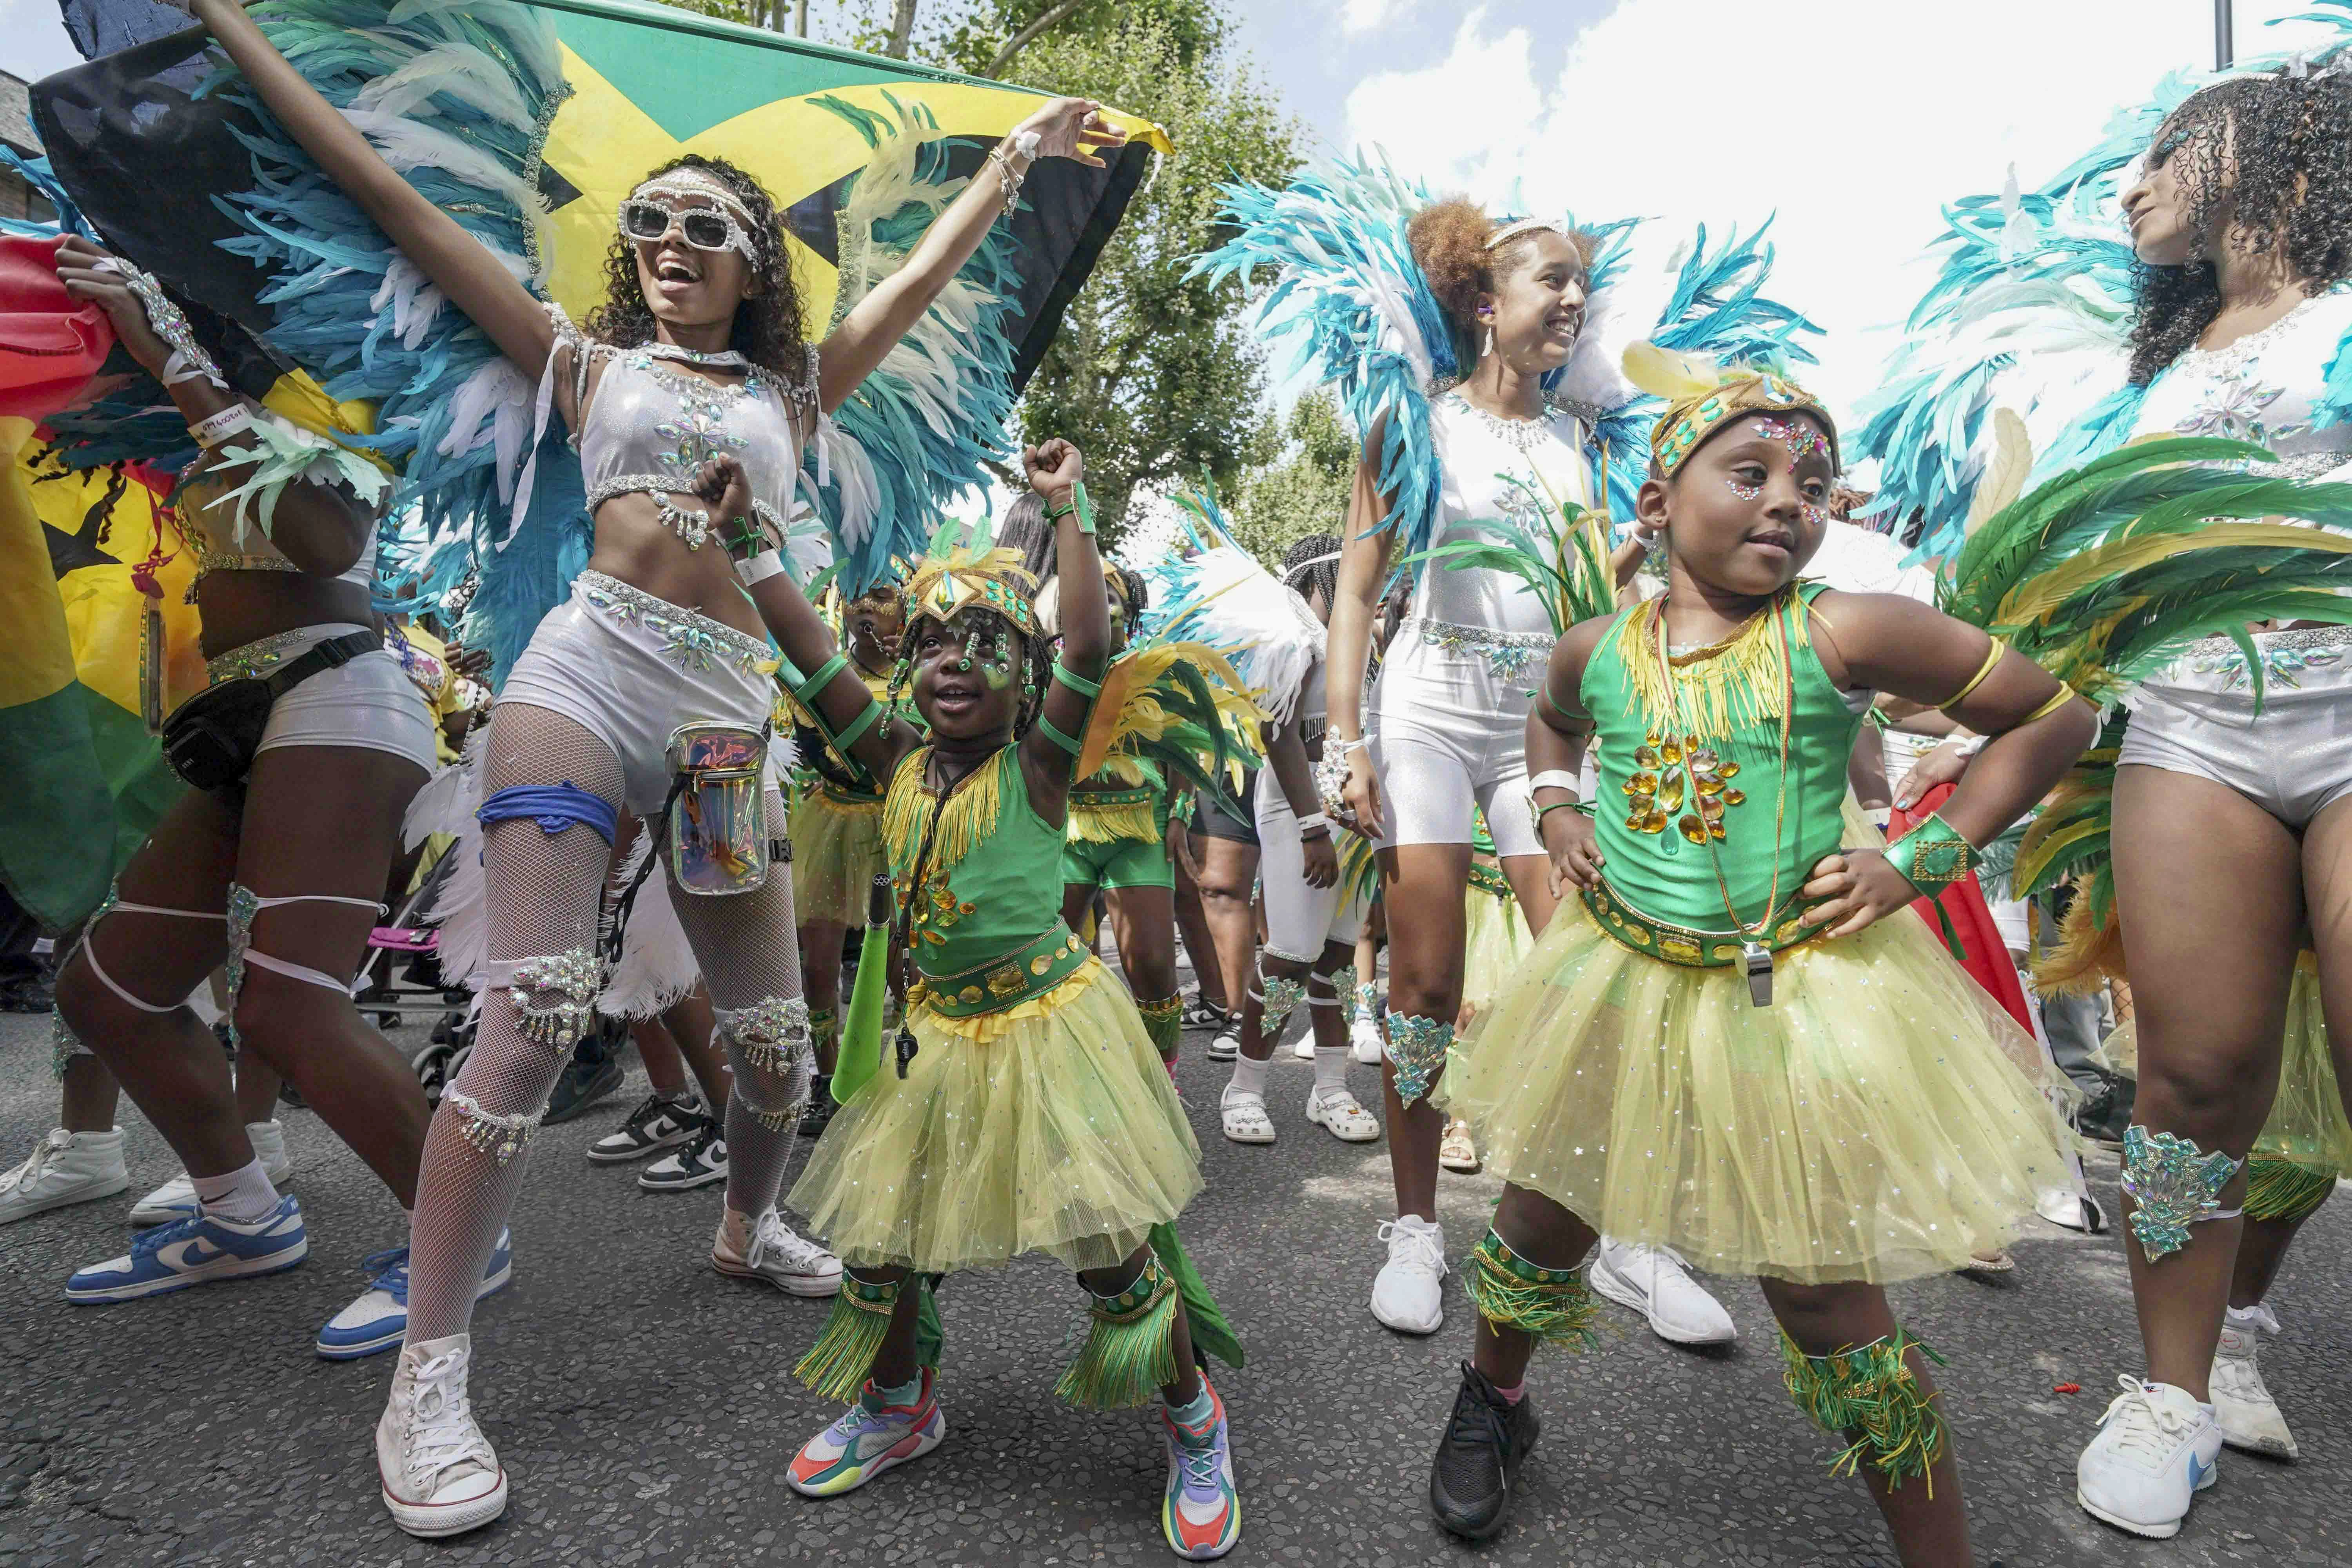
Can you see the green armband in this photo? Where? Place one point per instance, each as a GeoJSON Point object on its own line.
{"type": "Point", "coordinates": [1046, 727]}
{"type": "Point", "coordinates": [1079, 504]}
{"type": "Point", "coordinates": [807, 690]}
{"type": "Point", "coordinates": [1932, 856]}
{"type": "Point", "coordinates": [1076, 682]}
{"type": "Point", "coordinates": [1182, 806]}
{"type": "Point", "coordinates": [856, 728]}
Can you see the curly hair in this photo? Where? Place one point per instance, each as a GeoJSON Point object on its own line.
{"type": "Point", "coordinates": [2290, 140]}
{"type": "Point", "coordinates": [1312, 563]}
{"type": "Point", "coordinates": [769, 328]}
{"type": "Point", "coordinates": [1449, 244]}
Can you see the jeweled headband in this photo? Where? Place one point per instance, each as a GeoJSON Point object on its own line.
{"type": "Point", "coordinates": [944, 587]}
{"type": "Point", "coordinates": [1701, 396]}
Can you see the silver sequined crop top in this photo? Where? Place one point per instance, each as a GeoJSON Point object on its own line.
{"type": "Point", "coordinates": [649, 427]}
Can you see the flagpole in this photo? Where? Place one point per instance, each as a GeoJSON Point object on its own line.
{"type": "Point", "coordinates": [2224, 37]}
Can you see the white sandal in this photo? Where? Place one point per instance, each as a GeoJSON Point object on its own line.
{"type": "Point", "coordinates": [1245, 1117]}
{"type": "Point", "coordinates": [1339, 1113]}
{"type": "Point", "coordinates": [1455, 1151]}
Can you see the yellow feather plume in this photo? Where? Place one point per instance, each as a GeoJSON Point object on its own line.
{"type": "Point", "coordinates": [1665, 373]}
{"type": "Point", "coordinates": [2004, 476]}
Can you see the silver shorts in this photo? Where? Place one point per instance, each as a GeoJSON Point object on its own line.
{"type": "Point", "coordinates": [630, 668]}
{"type": "Point", "coordinates": [2293, 758]}
{"type": "Point", "coordinates": [368, 702]}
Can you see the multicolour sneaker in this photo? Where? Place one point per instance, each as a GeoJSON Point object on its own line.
{"type": "Point", "coordinates": [195, 1251]}
{"type": "Point", "coordinates": [1202, 1513]}
{"type": "Point", "coordinates": [869, 1438]}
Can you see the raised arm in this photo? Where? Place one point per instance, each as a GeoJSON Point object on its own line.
{"type": "Point", "coordinates": [1064, 127]}
{"type": "Point", "coordinates": [1054, 469]}
{"type": "Point", "coordinates": [458, 263]}
{"type": "Point", "coordinates": [1364, 551]}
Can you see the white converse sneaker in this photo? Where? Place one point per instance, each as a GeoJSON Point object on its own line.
{"type": "Point", "coordinates": [2249, 1416]}
{"type": "Point", "coordinates": [64, 1168]}
{"type": "Point", "coordinates": [176, 1199]}
{"type": "Point", "coordinates": [1243, 1115]}
{"type": "Point", "coordinates": [781, 1255]}
{"type": "Point", "coordinates": [1409, 1295]}
{"type": "Point", "coordinates": [1651, 1280]}
{"type": "Point", "coordinates": [2156, 1450]}
{"type": "Point", "coordinates": [1340, 1113]}
{"type": "Point", "coordinates": [1364, 1041]}
{"type": "Point", "coordinates": [440, 1475]}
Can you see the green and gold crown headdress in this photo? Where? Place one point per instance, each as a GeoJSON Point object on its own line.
{"type": "Point", "coordinates": [962, 572]}
{"type": "Point", "coordinates": [1701, 396]}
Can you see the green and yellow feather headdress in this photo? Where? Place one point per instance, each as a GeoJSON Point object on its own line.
{"type": "Point", "coordinates": [1701, 396]}
{"type": "Point", "coordinates": [964, 572]}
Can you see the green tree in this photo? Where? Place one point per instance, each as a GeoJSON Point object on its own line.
{"type": "Point", "coordinates": [1305, 491]}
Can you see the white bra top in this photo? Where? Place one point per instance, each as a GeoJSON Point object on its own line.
{"type": "Point", "coordinates": [1519, 470]}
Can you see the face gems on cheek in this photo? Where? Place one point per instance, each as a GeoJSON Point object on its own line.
{"type": "Point", "coordinates": [1800, 440]}
{"type": "Point", "coordinates": [1744, 490]}
{"type": "Point", "coordinates": [1814, 517]}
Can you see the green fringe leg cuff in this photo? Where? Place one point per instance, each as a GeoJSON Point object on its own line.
{"type": "Point", "coordinates": [1871, 1396]}
{"type": "Point", "coordinates": [2279, 1189]}
{"type": "Point", "coordinates": [838, 1364]}
{"type": "Point", "coordinates": [1130, 1350]}
{"type": "Point", "coordinates": [1554, 1305]}
{"type": "Point", "coordinates": [1163, 1020]}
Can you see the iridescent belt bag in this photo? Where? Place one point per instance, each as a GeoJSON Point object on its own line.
{"type": "Point", "coordinates": [717, 829]}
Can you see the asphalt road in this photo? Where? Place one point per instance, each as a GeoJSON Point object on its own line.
{"type": "Point", "coordinates": [644, 1410]}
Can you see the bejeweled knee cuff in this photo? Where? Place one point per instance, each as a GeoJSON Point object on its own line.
{"type": "Point", "coordinates": [1554, 1305]}
{"type": "Point", "coordinates": [501, 1137]}
{"type": "Point", "coordinates": [773, 1038]}
{"type": "Point", "coordinates": [1416, 1050]}
{"type": "Point", "coordinates": [556, 994]}
{"type": "Point", "coordinates": [838, 1364]}
{"type": "Point", "coordinates": [1282, 995]}
{"type": "Point", "coordinates": [1870, 1396]}
{"type": "Point", "coordinates": [64, 1044]}
{"type": "Point", "coordinates": [1130, 1350]}
{"type": "Point", "coordinates": [2173, 1184]}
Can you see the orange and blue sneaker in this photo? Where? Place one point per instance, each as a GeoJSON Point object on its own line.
{"type": "Point", "coordinates": [1202, 1514]}
{"type": "Point", "coordinates": [870, 1437]}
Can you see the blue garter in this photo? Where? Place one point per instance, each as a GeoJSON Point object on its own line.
{"type": "Point", "coordinates": [553, 806]}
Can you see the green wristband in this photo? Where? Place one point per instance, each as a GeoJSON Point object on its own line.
{"type": "Point", "coordinates": [1932, 856]}
{"type": "Point", "coordinates": [1079, 504]}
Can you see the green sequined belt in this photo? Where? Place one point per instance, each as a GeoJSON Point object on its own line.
{"type": "Point", "coordinates": [1007, 981]}
{"type": "Point", "coordinates": [1105, 799]}
{"type": "Point", "coordinates": [1490, 879]}
{"type": "Point", "coordinates": [1685, 945]}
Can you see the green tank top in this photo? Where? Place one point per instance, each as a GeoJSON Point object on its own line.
{"type": "Point", "coordinates": [1665, 788]}
{"type": "Point", "coordinates": [985, 927]}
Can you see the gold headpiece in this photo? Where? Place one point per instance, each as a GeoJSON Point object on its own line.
{"type": "Point", "coordinates": [945, 587]}
{"type": "Point", "coordinates": [1701, 396]}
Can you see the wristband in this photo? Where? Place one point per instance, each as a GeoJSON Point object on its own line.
{"type": "Point", "coordinates": [1553, 778]}
{"type": "Point", "coordinates": [759, 567]}
{"type": "Point", "coordinates": [1932, 856]}
{"type": "Point", "coordinates": [213, 428]}
{"type": "Point", "coordinates": [1319, 822]}
{"type": "Point", "coordinates": [1077, 503]}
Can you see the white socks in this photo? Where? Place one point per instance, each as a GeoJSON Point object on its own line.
{"type": "Point", "coordinates": [1249, 1077]}
{"type": "Point", "coordinates": [1330, 1068]}
{"type": "Point", "coordinates": [243, 1195]}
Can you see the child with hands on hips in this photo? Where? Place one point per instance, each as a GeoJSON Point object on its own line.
{"type": "Point", "coordinates": [1720, 1044]}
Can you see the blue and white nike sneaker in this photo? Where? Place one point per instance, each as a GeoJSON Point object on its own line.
{"type": "Point", "coordinates": [2157, 1447]}
{"type": "Point", "coordinates": [195, 1251]}
{"type": "Point", "coordinates": [378, 1320]}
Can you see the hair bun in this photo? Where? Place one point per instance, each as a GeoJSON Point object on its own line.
{"type": "Point", "coordinates": [1449, 244]}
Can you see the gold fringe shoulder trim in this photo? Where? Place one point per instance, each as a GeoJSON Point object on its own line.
{"type": "Point", "coordinates": [1736, 683]}
{"type": "Point", "coordinates": [970, 812]}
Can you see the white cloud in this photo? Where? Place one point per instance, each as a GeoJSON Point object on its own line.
{"type": "Point", "coordinates": [1371, 15]}
{"type": "Point", "coordinates": [1851, 120]}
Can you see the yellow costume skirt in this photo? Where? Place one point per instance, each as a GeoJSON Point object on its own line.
{"type": "Point", "coordinates": [1878, 1121]}
{"type": "Point", "coordinates": [837, 855]}
{"type": "Point", "coordinates": [1051, 1127]}
{"type": "Point", "coordinates": [1497, 943]}
{"type": "Point", "coordinates": [2307, 1125]}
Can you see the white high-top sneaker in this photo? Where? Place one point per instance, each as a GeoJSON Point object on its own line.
{"type": "Point", "coordinates": [64, 1168]}
{"type": "Point", "coordinates": [2250, 1417]}
{"type": "Point", "coordinates": [176, 1199]}
{"type": "Point", "coordinates": [440, 1475]}
{"type": "Point", "coordinates": [2156, 1450]}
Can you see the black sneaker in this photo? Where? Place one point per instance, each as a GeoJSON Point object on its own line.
{"type": "Point", "coordinates": [1200, 1015]}
{"type": "Point", "coordinates": [819, 1114]}
{"type": "Point", "coordinates": [1487, 1439]}
{"type": "Point", "coordinates": [698, 1163]}
{"type": "Point", "coordinates": [658, 1122]}
{"type": "Point", "coordinates": [594, 1073]}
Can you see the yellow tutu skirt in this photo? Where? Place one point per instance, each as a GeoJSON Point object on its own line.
{"type": "Point", "coordinates": [1497, 943]}
{"type": "Point", "coordinates": [1051, 1128]}
{"type": "Point", "coordinates": [1878, 1121]}
{"type": "Point", "coordinates": [837, 855]}
{"type": "Point", "coordinates": [2307, 1125]}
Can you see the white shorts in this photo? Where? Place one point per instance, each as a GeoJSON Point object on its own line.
{"type": "Point", "coordinates": [2293, 758]}
{"type": "Point", "coordinates": [1450, 733]}
{"type": "Point", "coordinates": [631, 668]}
{"type": "Point", "coordinates": [368, 702]}
{"type": "Point", "coordinates": [1299, 920]}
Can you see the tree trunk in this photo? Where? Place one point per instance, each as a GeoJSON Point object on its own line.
{"type": "Point", "coordinates": [1021, 41]}
{"type": "Point", "coordinates": [902, 28]}
{"type": "Point", "coordinates": [799, 17]}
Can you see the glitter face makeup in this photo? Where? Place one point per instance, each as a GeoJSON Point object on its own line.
{"type": "Point", "coordinates": [1799, 438]}
{"type": "Point", "coordinates": [1741, 489]}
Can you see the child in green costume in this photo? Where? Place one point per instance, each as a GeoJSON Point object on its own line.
{"type": "Point", "coordinates": [1024, 1106]}
{"type": "Point", "coordinates": [1721, 1045]}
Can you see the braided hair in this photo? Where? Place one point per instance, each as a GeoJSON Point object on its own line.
{"type": "Point", "coordinates": [2277, 148]}
{"type": "Point", "coordinates": [1313, 564]}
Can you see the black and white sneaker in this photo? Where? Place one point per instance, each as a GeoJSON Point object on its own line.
{"type": "Point", "coordinates": [658, 1122]}
{"type": "Point", "coordinates": [695, 1164]}
{"type": "Point", "coordinates": [1200, 1015]}
{"type": "Point", "coordinates": [1487, 1439]}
